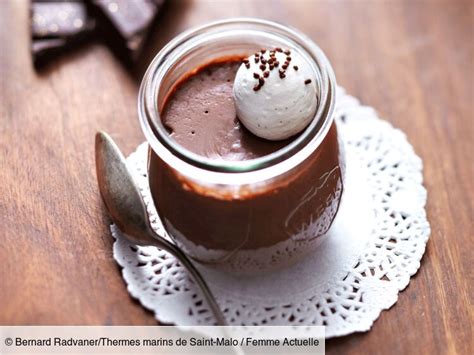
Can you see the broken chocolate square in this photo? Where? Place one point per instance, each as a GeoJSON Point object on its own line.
{"type": "Point", "coordinates": [125, 24]}
{"type": "Point", "coordinates": [57, 27]}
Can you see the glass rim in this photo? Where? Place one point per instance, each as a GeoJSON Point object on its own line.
{"type": "Point", "coordinates": [247, 171]}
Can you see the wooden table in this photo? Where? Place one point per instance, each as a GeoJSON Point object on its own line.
{"type": "Point", "coordinates": [411, 60]}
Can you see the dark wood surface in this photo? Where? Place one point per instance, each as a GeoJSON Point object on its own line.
{"type": "Point", "coordinates": [411, 60]}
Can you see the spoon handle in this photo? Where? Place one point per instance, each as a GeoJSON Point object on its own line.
{"type": "Point", "coordinates": [166, 245]}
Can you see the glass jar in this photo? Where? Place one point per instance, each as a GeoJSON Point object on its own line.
{"type": "Point", "coordinates": [243, 216]}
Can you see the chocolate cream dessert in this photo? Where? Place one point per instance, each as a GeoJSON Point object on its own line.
{"type": "Point", "coordinates": [239, 109]}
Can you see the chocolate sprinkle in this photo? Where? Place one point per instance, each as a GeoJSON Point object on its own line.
{"type": "Point", "coordinates": [272, 62]}
{"type": "Point", "coordinates": [307, 81]}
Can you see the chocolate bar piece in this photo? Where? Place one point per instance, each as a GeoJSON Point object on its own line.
{"type": "Point", "coordinates": [53, 19]}
{"type": "Point", "coordinates": [125, 24]}
{"type": "Point", "coordinates": [58, 26]}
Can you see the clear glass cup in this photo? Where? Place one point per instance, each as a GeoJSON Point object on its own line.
{"type": "Point", "coordinates": [243, 216]}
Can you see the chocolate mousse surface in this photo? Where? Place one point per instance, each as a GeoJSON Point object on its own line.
{"type": "Point", "coordinates": [200, 115]}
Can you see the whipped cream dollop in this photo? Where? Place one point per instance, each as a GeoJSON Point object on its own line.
{"type": "Point", "coordinates": [275, 93]}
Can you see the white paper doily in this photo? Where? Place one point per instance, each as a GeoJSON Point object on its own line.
{"type": "Point", "coordinates": [373, 248]}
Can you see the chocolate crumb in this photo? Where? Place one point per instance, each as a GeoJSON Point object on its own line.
{"type": "Point", "coordinates": [257, 54]}
{"type": "Point", "coordinates": [263, 50]}
{"type": "Point", "coordinates": [295, 67]}
{"type": "Point", "coordinates": [272, 66]}
{"type": "Point", "coordinates": [263, 66]}
{"type": "Point", "coordinates": [261, 81]}
{"type": "Point", "coordinates": [288, 58]}
{"type": "Point", "coordinates": [284, 66]}
{"type": "Point", "coordinates": [307, 81]}
{"type": "Point", "coordinates": [256, 76]}
{"type": "Point", "coordinates": [263, 60]}
{"type": "Point", "coordinates": [246, 60]}
{"type": "Point", "coordinates": [266, 74]}
{"type": "Point", "coordinates": [277, 63]}
{"type": "Point", "coordinates": [287, 52]}
{"type": "Point", "coordinates": [247, 65]}
{"type": "Point", "coordinates": [256, 87]}
{"type": "Point", "coordinates": [278, 49]}
{"type": "Point", "coordinates": [256, 60]}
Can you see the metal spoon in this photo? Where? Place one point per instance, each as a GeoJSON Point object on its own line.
{"type": "Point", "coordinates": [128, 211]}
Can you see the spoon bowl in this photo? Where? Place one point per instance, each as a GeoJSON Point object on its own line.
{"type": "Point", "coordinates": [128, 211]}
